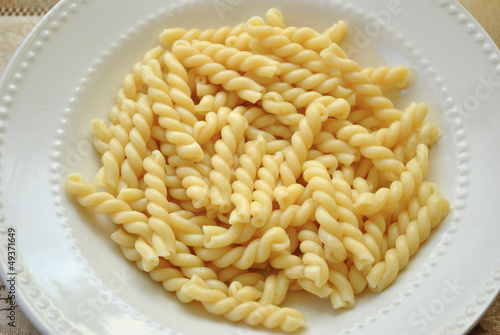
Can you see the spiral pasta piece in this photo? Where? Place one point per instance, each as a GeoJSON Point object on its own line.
{"type": "Point", "coordinates": [330, 231]}
{"type": "Point", "coordinates": [252, 313]}
{"type": "Point", "coordinates": [245, 175]}
{"type": "Point", "coordinates": [373, 98]}
{"type": "Point", "coordinates": [336, 32]}
{"type": "Point", "coordinates": [168, 36]}
{"type": "Point", "coordinates": [326, 84]}
{"type": "Point", "coordinates": [417, 231]}
{"type": "Point", "coordinates": [237, 60]}
{"type": "Point", "coordinates": [411, 120]}
{"type": "Point", "coordinates": [387, 76]}
{"type": "Point", "coordinates": [168, 118]}
{"type": "Point", "coordinates": [222, 162]}
{"type": "Point", "coordinates": [163, 238]}
{"type": "Point", "coordinates": [269, 39]}
{"type": "Point", "coordinates": [217, 73]}
{"type": "Point", "coordinates": [370, 147]}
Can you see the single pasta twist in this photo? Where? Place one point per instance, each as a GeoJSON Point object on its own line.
{"type": "Point", "coordinates": [372, 96]}
{"type": "Point", "coordinates": [163, 238]}
{"type": "Point", "coordinates": [262, 198]}
{"type": "Point", "coordinates": [103, 203]}
{"type": "Point", "coordinates": [202, 86]}
{"type": "Point", "coordinates": [188, 227]}
{"type": "Point", "coordinates": [274, 18]}
{"type": "Point", "coordinates": [136, 150]}
{"type": "Point", "coordinates": [388, 76]}
{"type": "Point", "coordinates": [102, 136]}
{"type": "Point", "coordinates": [168, 118]}
{"type": "Point", "coordinates": [169, 36]}
{"type": "Point", "coordinates": [132, 86]}
{"type": "Point", "coordinates": [179, 90]}
{"type": "Point", "coordinates": [352, 237]}
{"type": "Point", "coordinates": [369, 146]}
{"type": "Point", "coordinates": [273, 102]}
{"type": "Point", "coordinates": [245, 176]}
{"type": "Point", "coordinates": [343, 293]}
{"type": "Point", "coordinates": [127, 145]}
{"type": "Point", "coordinates": [302, 140]}
{"type": "Point", "coordinates": [375, 227]}
{"type": "Point", "coordinates": [173, 181]}
{"type": "Point", "coordinates": [315, 266]}
{"type": "Point", "coordinates": [343, 198]}
{"type": "Point", "coordinates": [417, 231]}
{"type": "Point", "coordinates": [244, 293]}
{"type": "Point", "coordinates": [222, 162]}
{"type": "Point", "coordinates": [407, 211]}
{"type": "Point", "coordinates": [190, 57]}
{"type": "Point", "coordinates": [237, 60]}
{"type": "Point", "coordinates": [108, 175]}
{"type": "Point", "coordinates": [241, 42]}
{"type": "Point", "coordinates": [269, 40]}
{"type": "Point", "coordinates": [251, 312]}
{"type": "Point", "coordinates": [336, 32]}
{"type": "Point", "coordinates": [322, 83]}
{"type": "Point", "coordinates": [330, 231]}
{"type": "Point", "coordinates": [133, 83]}
{"type": "Point", "coordinates": [411, 120]}
{"type": "Point", "coordinates": [307, 37]}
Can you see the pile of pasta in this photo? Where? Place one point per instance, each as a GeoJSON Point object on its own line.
{"type": "Point", "coordinates": [244, 162]}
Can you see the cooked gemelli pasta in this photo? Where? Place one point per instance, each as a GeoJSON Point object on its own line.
{"type": "Point", "coordinates": [244, 162]}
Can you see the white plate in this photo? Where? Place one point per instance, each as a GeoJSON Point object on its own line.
{"type": "Point", "coordinates": [72, 279]}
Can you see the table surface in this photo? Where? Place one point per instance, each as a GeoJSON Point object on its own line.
{"type": "Point", "coordinates": [17, 19]}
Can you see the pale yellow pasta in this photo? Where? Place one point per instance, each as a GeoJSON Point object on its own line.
{"type": "Point", "coordinates": [169, 36]}
{"type": "Point", "coordinates": [237, 60]}
{"type": "Point", "coordinates": [163, 238]}
{"type": "Point", "coordinates": [244, 183]}
{"type": "Point", "coordinates": [372, 96]}
{"type": "Point", "coordinates": [275, 18]}
{"type": "Point", "coordinates": [397, 76]}
{"type": "Point", "coordinates": [217, 73]}
{"type": "Point", "coordinates": [336, 32]}
{"type": "Point", "coordinates": [244, 162]}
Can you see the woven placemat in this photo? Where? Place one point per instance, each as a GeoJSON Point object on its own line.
{"type": "Point", "coordinates": [25, 7]}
